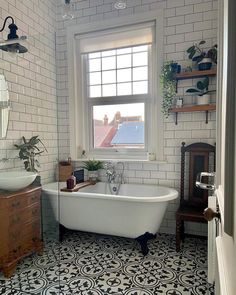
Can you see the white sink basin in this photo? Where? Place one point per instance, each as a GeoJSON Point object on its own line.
{"type": "Point", "coordinates": [16, 180]}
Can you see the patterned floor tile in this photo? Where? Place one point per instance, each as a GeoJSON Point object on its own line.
{"type": "Point", "coordinates": [92, 264]}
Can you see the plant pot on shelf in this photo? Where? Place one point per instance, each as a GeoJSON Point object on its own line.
{"type": "Point", "coordinates": [205, 64]}
{"type": "Point", "coordinates": [93, 176]}
{"type": "Point", "coordinates": [203, 99]}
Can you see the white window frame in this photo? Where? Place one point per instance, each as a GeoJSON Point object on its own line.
{"type": "Point", "coordinates": [80, 127]}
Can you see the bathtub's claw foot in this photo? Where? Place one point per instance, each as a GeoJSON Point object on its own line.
{"type": "Point", "coordinates": [62, 231]}
{"type": "Point", "coordinates": [143, 240]}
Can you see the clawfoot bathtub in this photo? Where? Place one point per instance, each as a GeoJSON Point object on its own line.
{"type": "Point", "coordinates": [136, 212]}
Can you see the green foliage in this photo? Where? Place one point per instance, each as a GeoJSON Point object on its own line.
{"type": "Point", "coordinates": [168, 81]}
{"type": "Point", "coordinates": [92, 165]}
{"type": "Point", "coordinates": [196, 53]}
{"type": "Point", "coordinates": [201, 87]}
{"type": "Point", "coordinates": [28, 152]}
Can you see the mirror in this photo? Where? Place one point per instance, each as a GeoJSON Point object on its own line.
{"type": "Point", "coordinates": [4, 106]}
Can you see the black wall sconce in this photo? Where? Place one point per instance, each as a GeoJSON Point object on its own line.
{"type": "Point", "coordinates": [12, 44]}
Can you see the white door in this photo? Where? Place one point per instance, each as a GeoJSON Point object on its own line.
{"type": "Point", "coordinates": [226, 154]}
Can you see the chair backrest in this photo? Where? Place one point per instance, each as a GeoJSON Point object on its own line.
{"type": "Point", "coordinates": [201, 157]}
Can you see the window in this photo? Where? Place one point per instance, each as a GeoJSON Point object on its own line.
{"type": "Point", "coordinates": [121, 75]}
{"type": "Point", "coordinates": [113, 88]}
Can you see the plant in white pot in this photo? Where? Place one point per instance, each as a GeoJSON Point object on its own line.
{"type": "Point", "coordinates": [92, 166]}
{"type": "Point", "coordinates": [202, 91]}
{"type": "Point", "coordinates": [204, 58]}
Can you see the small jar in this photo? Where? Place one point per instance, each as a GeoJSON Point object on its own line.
{"type": "Point", "coordinates": [71, 182]}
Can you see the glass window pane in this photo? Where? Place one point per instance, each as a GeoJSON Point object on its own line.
{"type": "Point", "coordinates": [124, 61]}
{"type": "Point", "coordinates": [108, 63]}
{"type": "Point", "coordinates": [124, 50]}
{"type": "Point", "coordinates": [95, 78]}
{"type": "Point", "coordinates": [109, 52]}
{"type": "Point", "coordinates": [95, 91]}
{"type": "Point", "coordinates": [140, 59]}
{"type": "Point", "coordinates": [109, 90]}
{"type": "Point", "coordinates": [108, 77]}
{"type": "Point", "coordinates": [140, 48]}
{"type": "Point", "coordinates": [140, 87]}
{"type": "Point", "coordinates": [119, 126]}
{"type": "Point", "coordinates": [140, 73]}
{"type": "Point", "coordinates": [124, 89]}
{"type": "Point", "coordinates": [94, 55]}
{"type": "Point", "coordinates": [124, 75]}
{"type": "Point", "coordinates": [95, 65]}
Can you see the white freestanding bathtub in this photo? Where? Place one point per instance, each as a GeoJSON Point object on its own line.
{"type": "Point", "coordinates": [136, 210]}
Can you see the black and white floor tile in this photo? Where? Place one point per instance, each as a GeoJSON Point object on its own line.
{"type": "Point", "coordinates": [91, 264]}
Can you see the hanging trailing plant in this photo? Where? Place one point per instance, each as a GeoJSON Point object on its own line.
{"type": "Point", "coordinates": [168, 81]}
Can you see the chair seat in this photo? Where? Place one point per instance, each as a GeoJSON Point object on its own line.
{"type": "Point", "coordinates": [190, 213]}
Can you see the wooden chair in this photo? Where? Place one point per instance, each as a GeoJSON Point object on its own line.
{"type": "Point", "coordinates": [198, 157]}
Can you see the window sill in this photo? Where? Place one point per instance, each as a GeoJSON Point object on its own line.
{"type": "Point", "coordinates": [122, 160]}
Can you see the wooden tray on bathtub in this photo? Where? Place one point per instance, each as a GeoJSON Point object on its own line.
{"type": "Point", "coordinates": [77, 187]}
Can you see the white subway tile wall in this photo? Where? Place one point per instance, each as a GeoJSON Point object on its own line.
{"type": "Point", "coordinates": [38, 82]}
{"type": "Point", "coordinates": [31, 80]}
{"type": "Point", "coordinates": [186, 21]}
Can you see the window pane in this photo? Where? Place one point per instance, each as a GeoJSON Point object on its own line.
{"type": "Point", "coordinates": [109, 52]}
{"type": "Point", "coordinates": [140, 48]}
{"type": "Point", "coordinates": [108, 77]}
{"type": "Point", "coordinates": [124, 50]}
{"type": "Point", "coordinates": [140, 87]}
{"type": "Point", "coordinates": [94, 55]}
{"type": "Point", "coordinates": [95, 91]}
{"type": "Point", "coordinates": [140, 73]}
{"type": "Point", "coordinates": [124, 61]}
{"type": "Point", "coordinates": [124, 89]}
{"type": "Point", "coordinates": [124, 75]}
{"type": "Point", "coordinates": [109, 90]}
{"type": "Point", "coordinates": [108, 63]}
{"type": "Point", "coordinates": [119, 126]}
{"type": "Point", "coordinates": [95, 65]}
{"type": "Point", "coordinates": [95, 78]}
{"type": "Point", "coordinates": [140, 59]}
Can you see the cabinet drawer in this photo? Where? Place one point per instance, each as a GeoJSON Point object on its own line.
{"type": "Point", "coordinates": [26, 215]}
{"type": "Point", "coordinates": [25, 232]}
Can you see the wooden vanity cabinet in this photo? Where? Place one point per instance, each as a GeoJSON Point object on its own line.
{"type": "Point", "coordinates": [20, 226]}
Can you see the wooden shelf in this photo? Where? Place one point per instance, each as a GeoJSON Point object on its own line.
{"type": "Point", "coordinates": [196, 74]}
{"type": "Point", "coordinates": [193, 108]}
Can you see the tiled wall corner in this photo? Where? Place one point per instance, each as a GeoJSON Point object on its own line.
{"type": "Point", "coordinates": [31, 80]}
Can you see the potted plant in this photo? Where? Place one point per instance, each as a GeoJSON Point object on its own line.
{"type": "Point", "coordinates": [168, 81]}
{"type": "Point", "coordinates": [92, 166]}
{"type": "Point", "coordinates": [29, 151]}
{"type": "Point", "coordinates": [202, 91]}
{"type": "Point", "coordinates": [202, 57]}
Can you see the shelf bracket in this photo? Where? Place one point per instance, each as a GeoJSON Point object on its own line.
{"type": "Point", "coordinates": [176, 118]}
{"type": "Point", "coordinates": [207, 117]}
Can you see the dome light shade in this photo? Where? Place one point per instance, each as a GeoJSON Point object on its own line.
{"type": "Point", "coordinates": [120, 4]}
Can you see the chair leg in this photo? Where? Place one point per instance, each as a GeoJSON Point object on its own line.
{"type": "Point", "coordinates": [178, 233]}
{"type": "Point", "coordinates": [182, 235]}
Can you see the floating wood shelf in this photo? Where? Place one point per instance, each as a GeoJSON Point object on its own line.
{"type": "Point", "coordinates": [195, 74]}
{"type": "Point", "coordinates": [193, 108]}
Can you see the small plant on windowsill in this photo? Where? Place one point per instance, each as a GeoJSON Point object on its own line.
{"type": "Point", "coordinates": [29, 151]}
{"type": "Point", "coordinates": [168, 82]}
{"type": "Point", "coordinates": [92, 166]}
